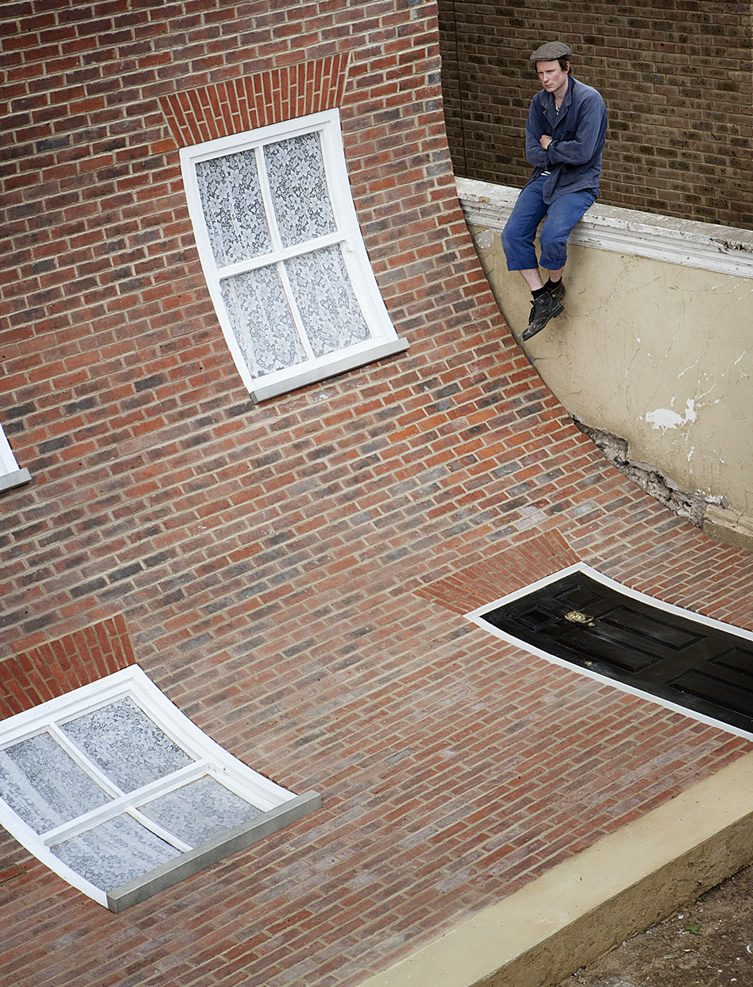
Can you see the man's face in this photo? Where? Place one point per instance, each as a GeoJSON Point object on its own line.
{"type": "Point", "coordinates": [551, 76]}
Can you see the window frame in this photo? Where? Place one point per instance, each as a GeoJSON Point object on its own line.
{"type": "Point", "coordinates": [10, 474]}
{"type": "Point", "coordinates": [278, 806]}
{"type": "Point", "coordinates": [383, 340]}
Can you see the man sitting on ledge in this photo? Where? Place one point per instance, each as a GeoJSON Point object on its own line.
{"type": "Point", "coordinates": [565, 133]}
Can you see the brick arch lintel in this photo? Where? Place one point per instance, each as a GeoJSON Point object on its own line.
{"type": "Point", "coordinates": [234, 106]}
{"type": "Point", "coordinates": [54, 668]}
{"type": "Point", "coordinates": [495, 576]}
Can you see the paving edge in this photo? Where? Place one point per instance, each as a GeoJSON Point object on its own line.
{"type": "Point", "coordinates": [584, 906]}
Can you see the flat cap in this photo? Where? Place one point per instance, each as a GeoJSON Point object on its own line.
{"type": "Point", "coordinates": [550, 51]}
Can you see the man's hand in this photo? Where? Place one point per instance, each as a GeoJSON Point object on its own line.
{"type": "Point", "coordinates": [545, 140]}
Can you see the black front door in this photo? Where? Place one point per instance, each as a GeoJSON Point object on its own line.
{"type": "Point", "coordinates": [581, 620]}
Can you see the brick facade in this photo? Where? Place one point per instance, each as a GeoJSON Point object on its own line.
{"type": "Point", "coordinates": [677, 79]}
{"type": "Point", "coordinates": [57, 667]}
{"type": "Point", "coordinates": [288, 572]}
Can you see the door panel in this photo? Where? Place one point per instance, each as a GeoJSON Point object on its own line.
{"type": "Point", "coordinates": [581, 620]}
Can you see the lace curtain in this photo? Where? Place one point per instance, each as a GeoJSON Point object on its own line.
{"type": "Point", "coordinates": [233, 209]}
{"type": "Point", "coordinates": [298, 185]}
{"type": "Point", "coordinates": [43, 784]}
{"type": "Point", "coordinates": [257, 302]}
{"type": "Point", "coordinates": [262, 321]}
{"type": "Point", "coordinates": [326, 300]}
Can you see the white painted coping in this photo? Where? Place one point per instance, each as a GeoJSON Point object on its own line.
{"type": "Point", "coordinates": [724, 249]}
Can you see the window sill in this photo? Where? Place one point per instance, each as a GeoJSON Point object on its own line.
{"type": "Point", "coordinates": [272, 385]}
{"type": "Point", "coordinates": [191, 863]}
{"type": "Point", "coordinates": [18, 478]}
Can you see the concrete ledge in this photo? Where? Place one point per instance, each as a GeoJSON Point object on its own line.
{"type": "Point", "coordinates": [583, 907]}
{"type": "Point", "coordinates": [141, 888]}
{"type": "Point", "coordinates": [15, 479]}
{"type": "Point", "coordinates": [724, 249]}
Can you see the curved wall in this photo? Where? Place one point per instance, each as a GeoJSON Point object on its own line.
{"type": "Point", "coordinates": [652, 348]}
{"type": "Point", "coordinates": [294, 574]}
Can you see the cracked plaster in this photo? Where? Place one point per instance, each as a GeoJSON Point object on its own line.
{"type": "Point", "coordinates": [655, 352]}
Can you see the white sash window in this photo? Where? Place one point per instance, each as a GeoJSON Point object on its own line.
{"type": "Point", "coordinates": [283, 256]}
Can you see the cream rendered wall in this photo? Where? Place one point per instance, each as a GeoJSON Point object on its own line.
{"type": "Point", "coordinates": [655, 352]}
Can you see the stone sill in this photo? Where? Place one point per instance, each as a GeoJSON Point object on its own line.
{"type": "Point", "coordinates": [274, 384]}
{"type": "Point", "coordinates": [17, 478]}
{"type": "Point", "coordinates": [170, 873]}
{"type": "Point", "coordinates": [723, 249]}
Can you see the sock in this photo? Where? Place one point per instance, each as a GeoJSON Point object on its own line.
{"type": "Point", "coordinates": [550, 285]}
{"type": "Point", "coordinates": [538, 291]}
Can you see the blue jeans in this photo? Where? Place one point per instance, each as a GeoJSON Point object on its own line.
{"type": "Point", "coordinates": [561, 216]}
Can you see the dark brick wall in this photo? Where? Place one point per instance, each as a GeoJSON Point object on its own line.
{"type": "Point", "coordinates": [677, 76]}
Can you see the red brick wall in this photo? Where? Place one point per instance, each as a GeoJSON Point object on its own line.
{"type": "Point", "coordinates": [677, 79]}
{"type": "Point", "coordinates": [238, 104]}
{"type": "Point", "coordinates": [57, 667]}
{"type": "Point", "coordinates": [119, 393]}
{"type": "Point", "coordinates": [287, 572]}
{"type": "Point", "coordinates": [501, 573]}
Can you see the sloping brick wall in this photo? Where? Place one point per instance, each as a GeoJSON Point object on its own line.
{"type": "Point", "coordinates": [114, 369]}
{"type": "Point", "coordinates": [501, 573]}
{"type": "Point", "coordinates": [677, 79]}
{"type": "Point", "coordinates": [287, 572]}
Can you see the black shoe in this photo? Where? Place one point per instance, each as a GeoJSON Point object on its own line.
{"type": "Point", "coordinates": [556, 289]}
{"type": "Point", "coordinates": [544, 307]}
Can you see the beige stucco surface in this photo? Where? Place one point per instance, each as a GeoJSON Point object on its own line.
{"type": "Point", "coordinates": [656, 353]}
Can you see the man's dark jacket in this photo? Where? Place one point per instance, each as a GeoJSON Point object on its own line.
{"type": "Point", "coordinates": [578, 132]}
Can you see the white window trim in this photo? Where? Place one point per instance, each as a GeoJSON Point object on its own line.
{"type": "Point", "coordinates": [10, 474]}
{"type": "Point", "coordinates": [384, 341]}
{"type": "Point", "coordinates": [476, 617]}
{"type": "Point", "coordinates": [279, 806]}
